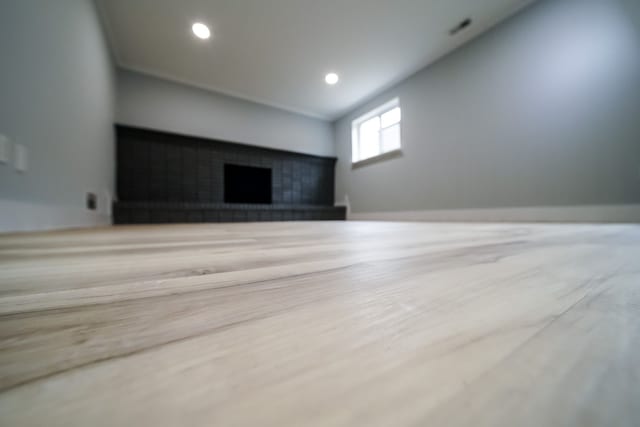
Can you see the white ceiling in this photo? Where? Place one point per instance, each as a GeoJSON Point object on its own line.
{"type": "Point", "coordinates": [277, 52]}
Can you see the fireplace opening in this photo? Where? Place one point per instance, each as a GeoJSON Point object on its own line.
{"type": "Point", "coordinates": [247, 184]}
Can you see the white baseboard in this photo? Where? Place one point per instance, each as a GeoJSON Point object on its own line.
{"type": "Point", "coordinates": [591, 213]}
{"type": "Point", "coordinates": [26, 216]}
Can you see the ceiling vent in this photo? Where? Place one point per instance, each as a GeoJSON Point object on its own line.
{"type": "Point", "coordinates": [461, 26]}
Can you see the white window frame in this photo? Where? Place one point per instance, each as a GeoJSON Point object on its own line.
{"type": "Point", "coordinates": [355, 132]}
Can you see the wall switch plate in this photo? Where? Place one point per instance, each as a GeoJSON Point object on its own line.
{"type": "Point", "coordinates": [5, 149]}
{"type": "Point", "coordinates": [21, 161]}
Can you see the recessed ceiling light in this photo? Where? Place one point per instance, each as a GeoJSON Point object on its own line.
{"type": "Point", "coordinates": [331, 78]}
{"type": "Point", "coordinates": [201, 31]}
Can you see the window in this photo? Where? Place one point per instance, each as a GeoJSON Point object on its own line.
{"type": "Point", "coordinates": [377, 132]}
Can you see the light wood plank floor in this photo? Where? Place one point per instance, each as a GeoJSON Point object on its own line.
{"type": "Point", "coordinates": [322, 324]}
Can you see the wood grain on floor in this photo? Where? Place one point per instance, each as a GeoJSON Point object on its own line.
{"type": "Point", "coordinates": [322, 324]}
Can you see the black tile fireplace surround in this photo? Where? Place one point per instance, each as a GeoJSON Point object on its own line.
{"type": "Point", "coordinates": [169, 178]}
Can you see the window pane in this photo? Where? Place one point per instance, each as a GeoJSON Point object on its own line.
{"type": "Point", "coordinates": [391, 117]}
{"type": "Point", "coordinates": [371, 125]}
{"type": "Point", "coordinates": [370, 138]}
{"type": "Point", "coordinates": [391, 138]}
{"type": "Point", "coordinates": [354, 144]}
{"type": "Point", "coordinates": [369, 145]}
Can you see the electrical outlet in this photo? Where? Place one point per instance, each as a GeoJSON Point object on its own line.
{"type": "Point", "coordinates": [21, 161]}
{"type": "Point", "coordinates": [5, 150]}
{"type": "Point", "coordinates": [92, 202]}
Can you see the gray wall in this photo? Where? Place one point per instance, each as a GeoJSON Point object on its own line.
{"type": "Point", "coordinates": [56, 98]}
{"type": "Point", "coordinates": [149, 102]}
{"type": "Point", "coordinates": [544, 110]}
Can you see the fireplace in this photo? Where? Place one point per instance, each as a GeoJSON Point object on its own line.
{"type": "Point", "coordinates": [247, 184]}
{"type": "Point", "coordinates": [167, 178]}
